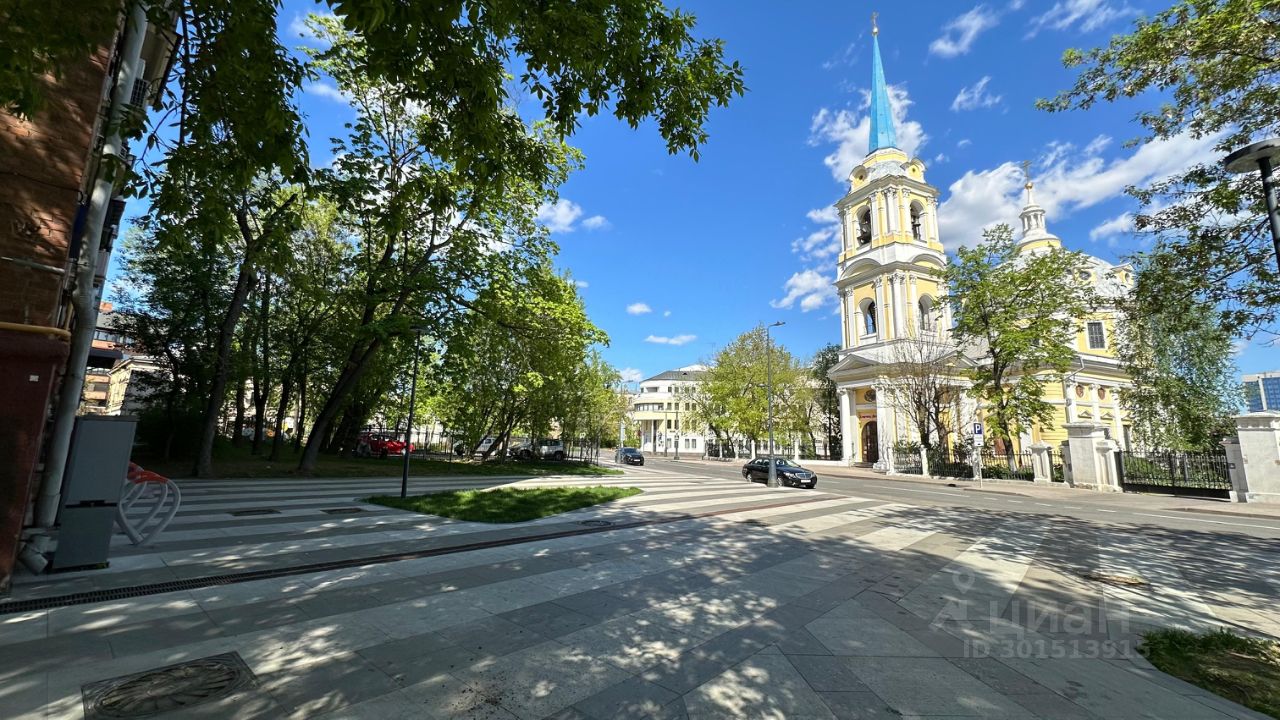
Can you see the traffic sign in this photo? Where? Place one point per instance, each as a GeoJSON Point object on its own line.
{"type": "Point", "coordinates": [977, 428]}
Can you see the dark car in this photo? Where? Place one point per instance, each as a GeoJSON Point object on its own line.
{"type": "Point", "coordinates": [632, 456]}
{"type": "Point", "coordinates": [788, 472]}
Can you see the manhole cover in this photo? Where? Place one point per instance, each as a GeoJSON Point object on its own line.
{"type": "Point", "coordinates": [343, 511]}
{"type": "Point", "coordinates": [596, 523]}
{"type": "Point", "coordinates": [260, 511]}
{"type": "Point", "coordinates": [167, 689]}
{"type": "Point", "coordinates": [1115, 579]}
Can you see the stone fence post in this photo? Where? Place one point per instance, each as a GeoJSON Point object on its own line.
{"type": "Point", "coordinates": [1087, 456]}
{"type": "Point", "coordinates": [924, 461]}
{"type": "Point", "coordinates": [1259, 446]}
{"type": "Point", "coordinates": [1108, 476]}
{"type": "Point", "coordinates": [1041, 465]}
{"type": "Point", "coordinates": [1235, 469]}
{"type": "Point", "coordinates": [1065, 450]}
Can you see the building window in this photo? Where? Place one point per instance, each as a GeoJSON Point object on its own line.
{"type": "Point", "coordinates": [864, 227]}
{"type": "Point", "coordinates": [926, 313]}
{"type": "Point", "coordinates": [1097, 340]}
{"type": "Point", "coordinates": [869, 317]}
{"type": "Point", "coordinates": [917, 216]}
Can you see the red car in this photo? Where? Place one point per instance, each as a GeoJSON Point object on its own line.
{"type": "Point", "coordinates": [381, 444]}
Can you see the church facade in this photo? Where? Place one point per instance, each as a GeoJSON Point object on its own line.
{"type": "Point", "coordinates": [893, 307]}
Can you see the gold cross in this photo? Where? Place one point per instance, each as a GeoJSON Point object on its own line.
{"type": "Point", "coordinates": [874, 30]}
{"type": "Point", "coordinates": [1026, 169]}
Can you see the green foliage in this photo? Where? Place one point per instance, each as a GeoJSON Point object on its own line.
{"type": "Point", "coordinates": [1184, 378]}
{"type": "Point", "coordinates": [1017, 315]}
{"type": "Point", "coordinates": [826, 396]}
{"type": "Point", "coordinates": [507, 505]}
{"type": "Point", "coordinates": [1242, 669]}
{"type": "Point", "coordinates": [733, 397]}
{"type": "Point", "coordinates": [1216, 66]}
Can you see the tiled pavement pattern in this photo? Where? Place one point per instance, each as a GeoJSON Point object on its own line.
{"type": "Point", "coordinates": [819, 606]}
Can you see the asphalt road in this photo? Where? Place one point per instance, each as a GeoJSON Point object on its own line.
{"type": "Point", "coordinates": [1107, 508]}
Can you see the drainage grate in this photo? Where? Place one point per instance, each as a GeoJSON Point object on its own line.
{"type": "Point", "coordinates": [172, 688]}
{"type": "Point", "coordinates": [342, 511]}
{"type": "Point", "coordinates": [249, 513]}
{"type": "Point", "coordinates": [596, 523]}
{"type": "Point", "coordinates": [93, 596]}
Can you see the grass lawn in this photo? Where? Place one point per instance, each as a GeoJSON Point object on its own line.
{"type": "Point", "coordinates": [506, 505]}
{"type": "Point", "coordinates": [237, 462]}
{"type": "Point", "coordinates": [1244, 670]}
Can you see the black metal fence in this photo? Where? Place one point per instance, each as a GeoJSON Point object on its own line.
{"type": "Point", "coordinates": [907, 461]}
{"type": "Point", "coordinates": [949, 462]}
{"type": "Point", "coordinates": [1008, 466]}
{"type": "Point", "coordinates": [1175, 473]}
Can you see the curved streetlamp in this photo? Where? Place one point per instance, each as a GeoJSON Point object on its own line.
{"type": "Point", "coordinates": [1263, 155]}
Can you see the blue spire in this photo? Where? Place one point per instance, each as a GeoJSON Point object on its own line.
{"type": "Point", "coordinates": [882, 133]}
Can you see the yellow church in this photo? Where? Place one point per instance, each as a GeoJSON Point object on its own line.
{"type": "Point", "coordinates": [891, 302]}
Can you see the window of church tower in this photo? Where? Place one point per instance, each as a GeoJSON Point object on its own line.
{"type": "Point", "coordinates": [864, 227]}
{"type": "Point", "coordinates": [926, 313]}
{"type": "Point", "coordinates": [917, 215]}
{"type": "Point", "coordinates": [1097, 339]}
{"type": "Point", "coordinates": [868, 317]}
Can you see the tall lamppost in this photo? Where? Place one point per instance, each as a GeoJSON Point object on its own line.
{"type": "Point", "coordinates": [678, 433]}
{"type": "Point", "coordinates": [1263, 155]}
{"type": "Point", "coordinates": [408, 425]}
{"type": "Point", "coordinates": [768, 354]}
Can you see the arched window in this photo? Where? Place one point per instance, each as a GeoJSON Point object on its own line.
{"type": "Point", "coordinates": [868, 317]}
{"type": "Point", "coordinates": [917, 222]}
{"type": "Point", "coordinates": [927, 320]}
{"type": "Point", "coordinates": [864, 227]}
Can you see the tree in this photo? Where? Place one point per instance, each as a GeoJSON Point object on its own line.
{"type": "Point", "coordinates": [1016, 315]}
{"type": "Point", "coordinates": [828, 396]}
{"type": "Point", "coordinates": [736, 388]}
{"type": "Point", "coordinates": [1216, 63]}
{"type": "Point", "coordinates": [1184, 380]}
{"type": "Point", "coordinates": [923, 369]}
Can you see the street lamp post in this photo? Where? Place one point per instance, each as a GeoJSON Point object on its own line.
{"type": "Point", "coordinates": [1263, 155]}
{"type": "Point", "coordinates": [408, 425]}
{"type": "Point", "coordinates": [768, 354]}
{"type": "Point", "coordinates": [678, 434]}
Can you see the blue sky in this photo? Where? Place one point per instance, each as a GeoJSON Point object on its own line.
{"type": "Point", "coordinates": [678, 257]}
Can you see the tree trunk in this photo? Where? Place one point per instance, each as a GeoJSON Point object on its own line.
{"type": "Point", "coordinates": [262, 381]}
{"type": "Point", "coordinates": [355, 366]}
{"type": "Point", "coordinates": [302, 403]}
{"type": "Point", "coordinates": [237, 426]}
{"type": "Point", "coordinates": [222, 357]}
{"type": "Point", "coordinates": [286, 390]}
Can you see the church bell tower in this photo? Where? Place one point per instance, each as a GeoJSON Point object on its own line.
{"type": "Point", "coordinates": [890, 246]}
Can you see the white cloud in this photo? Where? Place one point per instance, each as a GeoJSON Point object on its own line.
{"type": "Point", "coordinates": [559, 216]}
{"type": "Point", "coordinates": [581, 283]}
{"type": "Point", "coordinates": [964, 143]}
{"type": "Point", "coordinates": [638, 308]}
{"type": "Point", "coordinates": [329, 91]}
{"type": "Point", "coordinates": [975, 96]}
{"type": "Point", "coordinates": [851, 131]}
{"type": "Point", "coordinates": [810, 288]}
{"type": "Point", "coordinates": [631, 375]}
{"type": "Point", "coordinates": [1097, 145]}
{"type": "Point", "coordinates": [666, 313]}
{"type": "Point", "coordinates": [940, 158]}
{"type": "Point", "coordinates": [676, 340]}
{"type": "Point", "coordinates": [1015, 5]}
{"type": "Point", "coordinates": [960, 32]}
{"type": "Point", "coordinates": [1070, 182]}
{"type": "Point", "coordinates": [1090, 14]}
{"type": "Point", "coordinates": [596, 222]}
{"type": "Point", "coordinates": [1121, 224]}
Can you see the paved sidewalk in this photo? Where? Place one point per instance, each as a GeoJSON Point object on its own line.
{"type": "Point", "coordinates": [706, 598]}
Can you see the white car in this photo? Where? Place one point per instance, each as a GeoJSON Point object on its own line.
{"type": "Point", "coordinates": [485, 445]}
{"type": "Point", "coordinates": [541, 449]}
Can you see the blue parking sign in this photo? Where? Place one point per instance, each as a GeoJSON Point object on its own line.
{"type": "Point", "coordinates": [977, 428]}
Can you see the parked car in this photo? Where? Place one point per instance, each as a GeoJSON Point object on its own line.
{"type": "Point", "coordinates": [632, 456]}
{"type": "Point", "coordinates": [460, 448]}
{"type": "Point", "coordinates": [788, 472]}
{"type": "Point", "coordinates": [546, 449]}
{"type": "Point", "coordinates": [380, 444]}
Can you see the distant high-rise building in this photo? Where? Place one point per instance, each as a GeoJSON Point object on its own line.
{"type": "Point", "coordinates": [1262, 391]}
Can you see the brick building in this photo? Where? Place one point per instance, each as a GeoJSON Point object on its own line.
{"type": "Point", "coordinates": [55, 205]}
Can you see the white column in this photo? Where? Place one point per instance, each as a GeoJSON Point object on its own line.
{"type": "Point", "coordinates": [845, 320]}
{"type": "Point", "coordinates": [858, 323]}
{"type": "Point", "coordinates": [913, 300]}
{"type": "Point", "coordinates": [1117, 430]}
{"type": "Point", "coordinates": [899, 305]}
{"type": "Point", "coordinates": [875, 216]}
{"type": "Point", "coordinates": [1097, 407]}
{"type": "Point", "coordinates": [932, 220]}
{"type": "Point", "coordinates": [882, 429]}
{"type": "Point", "coordinates": [904, 212]}
{"type": "Point", "coordinates": [846, 230]}
{"type": "Point", "coordinates": [880, 312]}
{"type": "Point", "coordinates": [847, 426]}
{"type": "Point", "coordinates": [891, 209]}
{"type": "Point", "coordinates": [1069, 393]}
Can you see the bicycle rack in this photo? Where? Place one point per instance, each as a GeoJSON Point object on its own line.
{"type": "Point", "coordinates": [150, 492]}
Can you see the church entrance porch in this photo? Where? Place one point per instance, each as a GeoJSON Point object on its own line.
{"type": "Point", "coordinates": [870, 443]}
